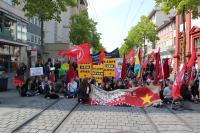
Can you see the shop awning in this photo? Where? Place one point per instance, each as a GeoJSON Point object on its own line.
{"type": "Point", "coordinates": [8, 42]}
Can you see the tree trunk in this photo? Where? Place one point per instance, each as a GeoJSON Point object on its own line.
{"type": "Point", "coordinates": [184, 39]}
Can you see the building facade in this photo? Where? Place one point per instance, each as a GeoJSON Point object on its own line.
{"type": "Point", "coordinates": [13, 36]}
{"type": "Point", "coordinates": [57, 33]}
{"type": "Point", "coordinates": [192, 40]}
{"type": "Point", "coordinates": [165, 27]}
{"type": "Point", "coordinates": [167, 37]}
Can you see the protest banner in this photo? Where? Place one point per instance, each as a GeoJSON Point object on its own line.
{"type": "Point", "coordinates": [36, 71]}
{"type": "Point", "coordinates": [97, 73]}
{"type": "Point", "coordinates": [109, 67]}
{"type": "Point", "coordinates": [84, 71]}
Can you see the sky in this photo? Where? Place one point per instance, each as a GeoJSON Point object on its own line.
{"type": "Point", "coordinates": [116, 17]}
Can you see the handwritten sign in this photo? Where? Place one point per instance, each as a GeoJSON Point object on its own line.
{"type": "Point", "coordinates": [84, 71]}
{"type": "Point", "coordinates": [109, 67]}
{"type": "Point", "coordinates": [36, 71]}
{"type": "Point", "coordinates": [97, 73]}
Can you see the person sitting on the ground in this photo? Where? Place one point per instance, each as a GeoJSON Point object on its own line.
{"type": "Point", "coordinates": [37, 83]}
{"type": "Point", "coordinates": [71, 89]}
{"type": "Point", "coordinates": [49, 91]}
{"type": "Point", "coordinates": [194, 90]}
{"type": "Point", "coordinates": [184, 91]}
{"type": "Point", "coordinates": [161, 86]}
{"type": "Point", "coordinates": [84, 91]}
{"type": "Point", "coordinates": [167, 94]}
{"type": "Point", "coordinates": [120, 85]}
{"type": "Point", "coordinates": [28, 89]}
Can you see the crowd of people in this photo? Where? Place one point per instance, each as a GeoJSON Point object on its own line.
{"type": "Point", "coordinates": [71, 86]}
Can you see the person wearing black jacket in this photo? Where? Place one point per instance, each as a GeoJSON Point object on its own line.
{"type": "Point", "coordinates": [84, 91]}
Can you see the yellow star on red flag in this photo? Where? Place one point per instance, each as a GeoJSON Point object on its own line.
{"type": "Point", "coordinates": [146, 99]}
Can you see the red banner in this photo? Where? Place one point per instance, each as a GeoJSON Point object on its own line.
{"type": "Point", "coordinates": [139, 97]}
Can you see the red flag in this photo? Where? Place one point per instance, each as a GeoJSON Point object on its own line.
{"type": "Point", "coordinates": [84, 55]}
{"type": "Point", "coordinates": [123, 75]}
{"type": "Point", "coordinates": [190, 65]}
{"type": "Point", "coordinates": [192, 60]}
{"type": "Point", "coordinates": [156, 77]}
{"type": "Point", "coordinates": [80, 53]}
{"type": "Point", "coordinates": [130, 57]}
{"type": "Point", "coordinates": [70, 73]}
{"type": "Point", "coordinates": [166, 68]}
{"type": "Point", "coordinates": [161, 74]}
{"type": "Point", "coordinates": [102, 55]}
{"type": "Point", "coordinates": [178, 83]}
{"type": "Point", "coordinates": [152, 56]}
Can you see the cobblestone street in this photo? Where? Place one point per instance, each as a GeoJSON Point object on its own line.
{"type": "Point", "coordinates": [24, 114]}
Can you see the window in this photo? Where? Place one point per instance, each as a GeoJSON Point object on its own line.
{"type": "Point", "coordinates": [36, 39]}
{"type": "Point", "coordinates": [32, 38]}
{"type": "Point", "coordinates": [39, 40]}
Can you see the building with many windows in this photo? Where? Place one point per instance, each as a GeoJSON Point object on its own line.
{"type": "Point", "coordinates": [13, 35]}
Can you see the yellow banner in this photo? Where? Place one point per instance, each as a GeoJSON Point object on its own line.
{"type": "Point", "coordinates": [84, 71]}
{"type": "Point", "coordinates": [97, 73]}
{"type": "Point", "coordinates": [109, 67]}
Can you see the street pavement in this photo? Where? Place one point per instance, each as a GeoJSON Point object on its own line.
{"type": "Point", "coordinates": [58, 115]}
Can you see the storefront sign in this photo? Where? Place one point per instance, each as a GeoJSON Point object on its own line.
{"type": "Point", "coordinates": [84, 71]}
{"type": "Point", "coordinates": [97, 73]}
{"type": "Point", "coordinates": [109, 67]}
{"type": "Point", "coordinates": [36, 71]}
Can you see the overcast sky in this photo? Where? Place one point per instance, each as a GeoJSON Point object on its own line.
{"type": "Point", "coordinates": [116, 17]}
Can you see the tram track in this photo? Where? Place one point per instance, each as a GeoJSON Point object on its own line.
{"type": "Point", "coordinates": [155, 128]}
{"type": "Point", "coordinates": [33, 117]}
{"type": "Point", "coordinates": [180, 119]}
{"type": "Point", "coordinates": [63, 114]}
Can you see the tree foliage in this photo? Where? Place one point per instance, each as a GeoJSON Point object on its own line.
{"type": "Point", "coordinates": [45, 9]}
{"type": "Point", "coordinates": [144, 30]}
{"type": "Point", "coordinates": [83, 29]}
{"type": "Point", "coordinates": [182, 7]}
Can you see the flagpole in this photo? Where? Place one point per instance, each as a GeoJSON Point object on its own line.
{"type": "Point", "coordinates": [162, 71]}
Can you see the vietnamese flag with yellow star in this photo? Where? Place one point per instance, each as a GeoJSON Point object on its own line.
{"type": "Point", "coordinates": [137, 97]}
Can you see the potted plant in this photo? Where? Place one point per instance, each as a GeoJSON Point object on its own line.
{"type": "Point", "coordinates": [3, 79]}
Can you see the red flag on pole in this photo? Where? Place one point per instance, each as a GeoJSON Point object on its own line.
{"type": "Point", "coordinates": [123, 75]}
{"type": "Point", "coordinates": [178, 83]}
{"type": "Point", "coordinates": [83, 56]}
{"type": "Point", "coordinates": [102, 55]}
{"type": "Point", "coordinates": [190, 65]}
{"type": "Point", "coordinates": [166, 68]}
{"type": "Point", "coordinates": [156, 77]}
{"type": "Point", "coordinates": [152, 56]}
{"type": "Point", "coordinates": [80, 53]}
{"type": "Point", "coordinates": [130, 57]}
{"type": "Point", "coordinates": [144, 65]}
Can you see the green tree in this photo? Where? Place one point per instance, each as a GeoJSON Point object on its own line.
{"type": "Point", "coordinates": [45, 10]}
{"type": "Point", "coordinates": [144, 30]}
{"type": "Point", "coordinates": [83, 29]}
{"type": "Point", "coordinates": [182, 7]}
